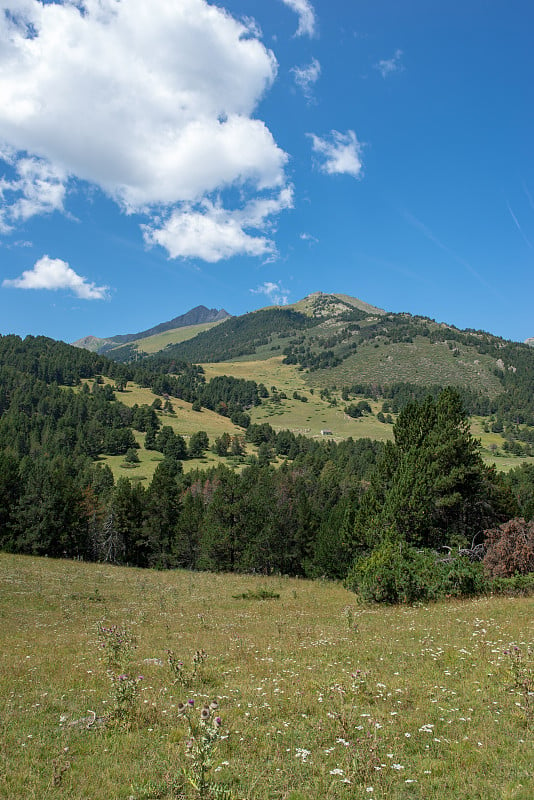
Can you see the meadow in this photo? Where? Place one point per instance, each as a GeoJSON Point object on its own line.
{"type": "Point", "coordinates": [309, 418]}
{"type": "Point", "coordinates": [317, 695]}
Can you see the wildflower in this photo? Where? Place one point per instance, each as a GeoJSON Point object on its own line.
{"type": "Point", "coordinates": [302, 753]}
{"type": "Point", "coordinates": [182, 708]}
{"type": "Point", "coordinates": [191, 703]}
{"type": "Point", "coordinates": [214, 705]}
{"type": "Point", "coordinates": [218, 722]}
{"type": "Point", "coordinates": [205, 713]}
{"type": "Point", "coordinates": [336, 771]}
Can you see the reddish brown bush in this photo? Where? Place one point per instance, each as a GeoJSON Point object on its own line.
{"type": "Point", "coordinates": [510, 549]}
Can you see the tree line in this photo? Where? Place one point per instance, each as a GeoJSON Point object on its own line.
{"type": "Point", "coordinates": [327, 506]}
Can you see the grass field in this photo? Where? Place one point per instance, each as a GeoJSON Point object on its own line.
{"type": "Point", "coordinates": [318, 696]}
{"type": "Point", "coordinates": [308, 418]}
{"type": "Point", "coordinates": [184, 421]}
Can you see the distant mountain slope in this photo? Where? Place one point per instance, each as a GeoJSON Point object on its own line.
{"type": "Point", "coordinates": [159, 342]}
{"type": "Point", "coordinates": [239, 336]}
{"type": "Point", "coordinates": [91, 343]}
{"type": "Point", "coordinates": [335, 340]}
{"type": "Point", "coordinates": [200, 315]}
{"type": "Point", "coordinates": [196, 316]}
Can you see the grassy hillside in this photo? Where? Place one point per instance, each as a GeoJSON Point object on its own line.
{"type": "Point", "coordinates": [184, 421]}
{"type": "Point", "coordinates": [318, 696]}
{"type": "Point", "coordinates": [153, 344]}
{"type": "Point", "coordinates": [309, 418]}
{"type": "Point", "coordinates": [421, 361]}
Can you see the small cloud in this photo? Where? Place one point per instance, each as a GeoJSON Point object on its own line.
{"type": "Point", "coordinates": [39, 188]}
{"type": "Point", "coordinates": [274, 291]}
{"type": "Point", "coordinates": [53, 274]}
{"type": "Point", "coordinates": [341, 155]}
{"type": "Point", "coordinates": [306, 15]}
{"type": "Point", "coordinates": [212, 233]}
{"type": "Point", "coordinates": [390, 65]}
{"type": "Point", "coordinates": [307, 77]}
{"type": "Point", "coordinates": [307, 237]}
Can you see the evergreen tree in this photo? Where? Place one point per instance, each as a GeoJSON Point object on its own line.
{"type": "Point", "coordinates": [429, 487]}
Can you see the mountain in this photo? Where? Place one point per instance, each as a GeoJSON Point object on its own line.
{"type": "Point", "coordinates": [336, 342]}
{"type": "Point", "coordinates": [319, 304]}
{"type": "Point", "coordinates": [91, 343]}
{"type": "Point", "coordinates": [530, 341]}
{"type": "Point", "coordinates": [200, 315]}
{"type": "Point", "coordinates": [196, 316]}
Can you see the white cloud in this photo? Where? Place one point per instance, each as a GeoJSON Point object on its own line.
{"type": "Point", "coordinates": [307, 237]}
{"type": "Point", "coordinates": [340, 155]}
{"type": "Point", "coordinates": [388, 66]}
{"type": "Point", "coordinates": [274, 291]}
{"type": "Point", "coordinates": [53, 274]}
{"type": "Point", "coordinates": [152, 102]}
{"type": "Point", "coordinates": [306, 15]}
{"type": "Point", "coordinates": [39, 188]}
{"type": "Point", "coordinates": [307, 77]}
{"type": "Point", "coordinates": [212, 233]}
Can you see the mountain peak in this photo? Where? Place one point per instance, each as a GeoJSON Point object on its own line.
{"type": "Point", "coordinates": [321, 304]}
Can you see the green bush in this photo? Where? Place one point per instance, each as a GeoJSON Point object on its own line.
{"type": "Point", "coordinates": [518, 586]}
{"type": "Point", "coordinates": [396, 573]}
{"type": "Point", "coordinates": [462, 578]}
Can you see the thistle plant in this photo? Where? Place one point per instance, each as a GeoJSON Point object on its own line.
{"type": "Point", "coordinates": [124, 692]}
{"type": "Point", "coordinates": [204, 731]}
{"type": "Point", "coordinates": [522, 673]}
{"type": "Point", "coordinates": [117, 645]}
{"type": "Point", "coordinates": [182, 675]}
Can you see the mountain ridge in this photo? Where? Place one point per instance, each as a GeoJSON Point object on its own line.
{"type": "Point", "coordinates": [198, 315]}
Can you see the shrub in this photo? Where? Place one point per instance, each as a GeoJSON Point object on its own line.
{"type": "Point", "coordinates": [394, 573]}
{"type": "Point", "coordinates": [510, 549]}
{"type": "Point", "coordinates": [462, 578]}
{"type": "Point", "coordinates": [518, 586]}
{"type": "Point", "coordinates": [397, 573]}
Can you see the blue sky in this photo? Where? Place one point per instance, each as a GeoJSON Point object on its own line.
{"type": "Point", "coordinates": [158, 156]}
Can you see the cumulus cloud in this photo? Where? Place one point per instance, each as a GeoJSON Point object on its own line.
{"type": "Point", "coordinates": [212, 233]}
{"type": "Point", "coordinates": [306, 15]}
{"type": "Point", "coordinates": [53, 274]}
{"type": "Point", "coordinates": [340, 154]}
{"type": "Point", "coordinates": [388, 66]}
{"type": "Point", "coordinates": [307, 77]}
{"type": "Point", "coordinates": [274, 291]}
{"type": "Point", "coordinates": [151, 102]}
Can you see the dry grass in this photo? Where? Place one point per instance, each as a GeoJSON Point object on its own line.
{"type": "Point", "coordinates": [319, 697]}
